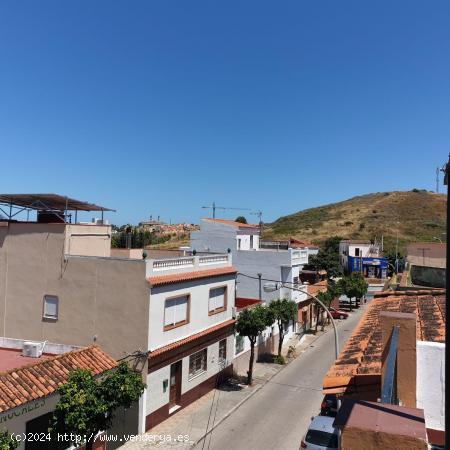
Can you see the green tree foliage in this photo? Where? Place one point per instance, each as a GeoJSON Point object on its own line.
{"type": "Point", "coordinates": [87, 404]}
{"type": "Point", "coordinates": [7, 441]}
{"type": "Point", "coordinates": [353, 286]}
{"type": "Point", "coordinates": [327, 258]}
{"type": "Point", "coordinates": [251, 322]}
{"type": "Point", "coordinates": [282, 311]}
{"type": "Point", "coordinates": [137, 238]}
{"type": "Point", "coordinates": [241, 219]}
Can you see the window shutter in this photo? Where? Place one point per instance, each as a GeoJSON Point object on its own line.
{"type": "Point", "coordinates": [181, 313]}
{"type": "Point", "coordinates": [169, 313]}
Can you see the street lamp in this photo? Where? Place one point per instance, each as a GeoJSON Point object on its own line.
{"type": "Point", "coordinates": [437, 239]}
{"type": "Point", "coordinates": [275, 286]}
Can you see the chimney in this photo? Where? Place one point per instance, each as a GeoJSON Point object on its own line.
{"type": "Point", "coordinates": [406, 353]}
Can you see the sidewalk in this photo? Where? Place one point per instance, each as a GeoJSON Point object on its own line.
{"type": "Point", "coordinates": [190, 425]}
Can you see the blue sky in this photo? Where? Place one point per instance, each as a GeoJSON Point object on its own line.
{"type": "Point", "coordinates": [162, 107]}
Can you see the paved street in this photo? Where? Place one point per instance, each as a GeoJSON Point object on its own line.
{"type": "Point", "coordinates": [277, 416]}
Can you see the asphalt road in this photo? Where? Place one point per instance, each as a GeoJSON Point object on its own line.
{"type": "Point", "coordinates": [277, 416]}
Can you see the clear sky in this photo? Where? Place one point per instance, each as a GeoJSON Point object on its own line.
{"type": "Point", "coordinates": [160, 107]}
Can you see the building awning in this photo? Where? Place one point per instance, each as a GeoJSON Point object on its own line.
{"type": "Point", "coordinates": [53, 202]}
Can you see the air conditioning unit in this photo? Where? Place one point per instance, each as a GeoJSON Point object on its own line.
{"type": "Point", "coordinates": [32, 349]}
{"type": "Point", "coordinates": [233, 312]}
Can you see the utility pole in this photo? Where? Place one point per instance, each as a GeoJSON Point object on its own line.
{"type": "Point", "coordinates": [423, 254]}
{"type": "Point", "coordinates": [437, 180]}
{"type": "Point", "coordinates": [446, 170]}
{"type": "Point", "coordinates": [259, 214]}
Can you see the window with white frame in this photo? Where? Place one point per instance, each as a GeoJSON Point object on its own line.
{"type": "Point", "coordinates": [176, 312]}
{"type": "Point", "coordinates": [198, 363]}
{"type": "Point", "coordinates": [223, 351]}
{"type": "Point", "coordinates": [50, 310]}
{"type": "Point", "coordinates": [217, 300]}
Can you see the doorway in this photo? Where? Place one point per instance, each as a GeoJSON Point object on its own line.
{"type": "Point", "coordinates": [175, 386]}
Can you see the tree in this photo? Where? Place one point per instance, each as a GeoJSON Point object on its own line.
{"type": "Point", "coordinates": [241, 219]}
{"type": "Point", "coordinates": [251, 322]}
{"type": "Point", "coordinates": [327, 258]}
{"type": "Point", "coordinates": [327, 297]}
{"type": "Point", "coordinates": [87, 404]}
{"type": "Point", "coordinates": [282, 311]}
{"type": "Point", "coordinates": [353, 285]}
{"type": "Point", "coordinates": [7, 441]}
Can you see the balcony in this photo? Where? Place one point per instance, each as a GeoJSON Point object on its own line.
{"type": "Point", "coordinates": [187, 264]}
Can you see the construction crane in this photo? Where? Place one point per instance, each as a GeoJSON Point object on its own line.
{"type": "Point", "coordinates": [214, 207]}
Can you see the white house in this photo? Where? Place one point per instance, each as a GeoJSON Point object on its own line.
{"type": "Point", "coordinates": [191, 330]}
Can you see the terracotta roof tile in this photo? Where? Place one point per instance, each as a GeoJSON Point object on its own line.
{"type": "Point", "coordinates": [160, 280]}
{"type": "Point", "coordinates": [243, 303]}
{"type": "Point", "coordinates": [321, 286]}
{"type": "Point", "coordinates": [191, 338]}
{"type": "Point", "coordinates": [42, 378]}
{"type": "Point", "coordinates": [359, 363]}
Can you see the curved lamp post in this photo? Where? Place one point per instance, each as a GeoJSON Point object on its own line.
{"type": "Point", "coordinates": [275, 286]}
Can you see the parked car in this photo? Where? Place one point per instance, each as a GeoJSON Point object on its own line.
{"type": "Point", "coordinates": [321, 435]}
{"type": "Point", "coordinates": [329, 406]}
{"type": "Point", "coordinates": [338, 314]}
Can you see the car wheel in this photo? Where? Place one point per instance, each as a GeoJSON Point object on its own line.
{"type": "Point", "coordinates": [341, 317]}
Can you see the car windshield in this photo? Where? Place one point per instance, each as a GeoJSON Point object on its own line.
{"type": "Point", "coordinates": [322, 438]}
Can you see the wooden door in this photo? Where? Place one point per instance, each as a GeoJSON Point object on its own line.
{"type": "Point", "coordinates": [175, 384]}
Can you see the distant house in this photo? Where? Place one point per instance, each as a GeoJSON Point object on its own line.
{"type": "Point", "coordinates": [363, 256]}
{"type": "Point", "coordinates": [427, 262]}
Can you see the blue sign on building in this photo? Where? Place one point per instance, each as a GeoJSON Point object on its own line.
{"type": "Point", "coordinates": [371, 267]}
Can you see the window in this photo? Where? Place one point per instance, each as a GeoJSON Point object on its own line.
{"type": "Point", "coordinates": [239, 343]}
{"type": "Point", "coordinates": [295, 282]}
{"type": "Point", "coordinates": [251, 241]}
{"type": "Point", "coordinates": [50, 307]}
{"type": "Point", "coordinates": [198, 363]}
{"type": "Point", "coordinates": [239, 244]}
{"type": "Point", "coordinates": [176, 312]}
{"type": "Point", "coordinates": [217, 300]}
{"type": "Point", "coordinates": [356, 251]}
{"type": "Point", "coordinates": [222, 351]}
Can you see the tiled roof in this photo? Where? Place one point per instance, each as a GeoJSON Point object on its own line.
{"type": "Point", "coordinates": [34, 381]}
{"type": "Point", "coordinates": [242, 303]}
{"type": "Point", "coordinates": [321, 286]}
{"type": "Point", "coordinates": [191, 338]}
{"type": "Point", "coordinates": [300, 243]}
{"type": "Point", "coordinates": [161, 280]}
{"type": "Point", "coordinates": [358, 366]}
{"type": "Point", "coordinates": [232, 223]}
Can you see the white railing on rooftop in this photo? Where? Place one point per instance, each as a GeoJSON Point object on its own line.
{"type": "Point", "coordinates": [164, 264]}
{"type": "Point", "coordinates": [214, 259]}
{"type": "Point", "coordinates": [181, 263]}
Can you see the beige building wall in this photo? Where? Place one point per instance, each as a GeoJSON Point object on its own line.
{"type": "Point", "coordinates": [101, 300]}
{"type": "Point", "coordinates": [88, 240]}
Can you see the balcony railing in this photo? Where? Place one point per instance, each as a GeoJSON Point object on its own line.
{"type": "Point", "coordinates": [187, 262]}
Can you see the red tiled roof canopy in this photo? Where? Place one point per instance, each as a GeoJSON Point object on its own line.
{"type": "Point", "coordinates": [358, 367]}
{"type": "Point", "coordinates": [191, 338]}
{"type": "Point", "coordinates": [34, 381]}
{"type": "Point", "coordinates": [242, 303]}
{"type": "Point", "coordinates": [161, 280]}
{"type": "Point", "coordinates": [233, 223]}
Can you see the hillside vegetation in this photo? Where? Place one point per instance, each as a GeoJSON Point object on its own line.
{"type": "Point", "coordinates": [416, 215]}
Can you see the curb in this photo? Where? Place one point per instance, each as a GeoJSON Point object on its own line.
{"type": "Point", "coordinates": [241, 402]}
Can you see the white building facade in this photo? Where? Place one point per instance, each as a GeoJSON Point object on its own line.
{"type": "Point", "coordinates": [191, 331]}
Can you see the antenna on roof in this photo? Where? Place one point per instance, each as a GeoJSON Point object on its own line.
{"type": "Point", "coordinates": [214, 207]}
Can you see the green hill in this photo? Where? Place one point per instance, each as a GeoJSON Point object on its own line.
{"type": "Point", "coordinates": [416, 215]}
